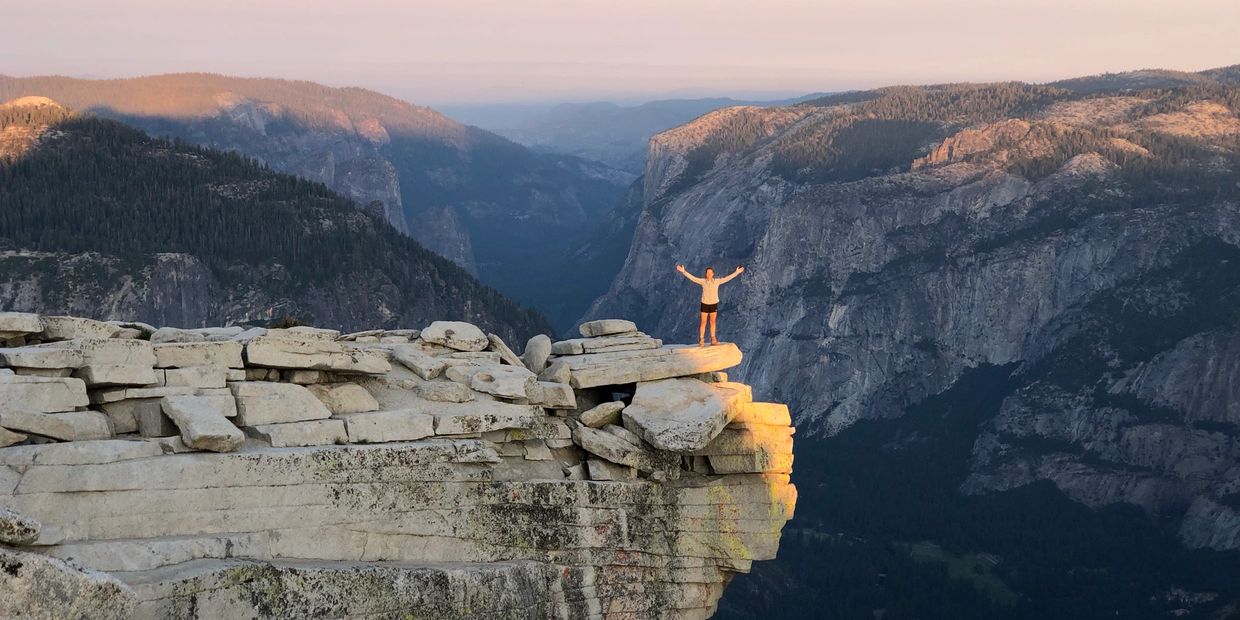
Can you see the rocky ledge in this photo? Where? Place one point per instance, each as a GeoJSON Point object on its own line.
{"type": "Point", "coordinates": [230, 472]}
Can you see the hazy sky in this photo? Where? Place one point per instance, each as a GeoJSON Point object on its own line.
{"type": "Point", "coordinates": [455, 51]}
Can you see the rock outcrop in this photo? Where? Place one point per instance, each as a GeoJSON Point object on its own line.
{"type": "Point", "coordinates": [426, 473]}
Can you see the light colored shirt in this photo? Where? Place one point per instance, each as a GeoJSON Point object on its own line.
{"type": "Point", "coordinates": [710, 288]}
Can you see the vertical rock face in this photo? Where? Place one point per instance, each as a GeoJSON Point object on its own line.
{"type": "Point", "coordinates": [489, 503]}
{"type": "Point", "coordinates": [896, 239]}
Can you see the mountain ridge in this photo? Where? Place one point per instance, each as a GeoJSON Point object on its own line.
{"type": "Point", "coordinates": [184, 235]}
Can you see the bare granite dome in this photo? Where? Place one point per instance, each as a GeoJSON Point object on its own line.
{"type": "Point", "coordinates": [232, 472]}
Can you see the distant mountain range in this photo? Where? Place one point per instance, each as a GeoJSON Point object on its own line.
{"type": "Point", "coordinates": [1006, 316]}
{"type": "Point", "coordinates": [99, 219]}
{"type": "Point", "coordinates": [603, 131]}
{"type": "Point", "coordinates": [496, 208]}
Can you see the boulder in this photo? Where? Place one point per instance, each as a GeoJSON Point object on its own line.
{"type": "Point", "coordinates": [41, 394]}
{"type": "Point", "coordinates": [69, 426]}
{"type": "Point", "coordinates": [274, 403]}
{"type": "Point", "coordinates": [181, 355]}
{"type": "Point", "coordinates": [422, 364]}
{"type": "Point", "coordinates": [620, 367]}
{"type": "Point", "coordinates": [512, 382]}
{"type": "Point", "coordinates": [387, 426]}
{"type": "Point", "coordinates": [16, 323]}
{"type": "Point", "coordinates": [145, 330]}
{"type": "Point", "coordinates": [606, 327]}
{"type": "Point", "coordinates": [281, 351]}
{"type": "Point", "coordinates": [456, 335]}
{"type": "Point", "coordinates": [505, 354]}
{"type": "Point", "coordinates": [602, 415]}
{"type": "Point", "coordinates": [557, 372]}
{"type": "Point", "coordinates": [16, 529]}
{"type": "Point", "coordinates": [71, 327]}
{"type": "Point", "coordinates": [680, 415]}
{"type": "Point", "coordinates": [537, 350]}
{"type": "Point", "coordinates": [203, 425]}
{"type": "Point", "coordinates": [299, 434]}
{"type": "Point", "coordinates": [344, 397]}
{"type": "Point", "coordinates": [41, 587]}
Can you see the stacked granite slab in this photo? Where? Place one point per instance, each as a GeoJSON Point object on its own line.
{"type": "Point", "coordinates": [250, 472]}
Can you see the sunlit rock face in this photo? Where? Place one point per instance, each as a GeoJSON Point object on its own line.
{"type": "Point", "coordinates": [896, 239]}
{"type": "Point", "coordinates": [306, 473]}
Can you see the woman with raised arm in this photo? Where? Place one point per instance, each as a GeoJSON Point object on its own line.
{"type": "Point", "coordinates": [710, 299]}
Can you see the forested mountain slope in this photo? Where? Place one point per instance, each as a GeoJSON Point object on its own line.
{"type": "Point", "coordinates": [478, 199]}
{"type": "Point", "coordinates": [99, 219]}
{"type": "Point", "coordinates": [1044, 274]}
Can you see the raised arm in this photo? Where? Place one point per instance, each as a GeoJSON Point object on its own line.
{"type": "Point", "coordinates": [739, 271]}
{"type": "Point", "coordinates": [685, 273]}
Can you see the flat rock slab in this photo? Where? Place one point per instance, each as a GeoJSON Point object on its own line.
{"type": "Point", "coordinates": [70, 327]}
{"type": "Point", "coordinates": [445, 392]}
{"type": "Point", "coordinates": [344, 397]}
{"type": "Point", "coordinates": [553, 395]}
{"type": "Point", "coordinates": [204, 377]}
{"type": "Point", "coordinates": [621, 367]}
{"type": "Point", "coordinates": [621, 452]}
{"type": "Point", "coordinates": [41, 394]}
{"type": "Point", "coordinates": [456, 335]}
{"type": "Point", "coordinates": [681, 415]}
{"type": "Point", "coordinates": [386, 426]}
{"type": "Point", "coordinates": [203, 425]}
{"type": "Point", "coordinates": [422, 364]}
{"type": "Point", "coordinates": [604, 327]}
{"type": "Point", "coordinates": [8, 438]}
{"type": "Point", "coordinates": [70, 426]}
{"type": "Point", "coordinates": [20, 322]}
{"type": "Point", "coordinates": [279, 351]}
{"type": "Point", "coordinates": [107, 375]}
{"type": "Point", "coordinates": [51, 355]}
{"type": "Point", "coordinates": [762, 414]}
{"type": "Point", "coordinates": [580, 346]}
{"type": "Point", "coordinates": [300, 434]}
{"type": "Point", "coordinates": [512, 382]}
{"type": "Point", "coordinates": [182, 355]}
{"type": "Point", "coordinates": [506, 354]}
{"type": "Point", "coordinates": [261, 402]}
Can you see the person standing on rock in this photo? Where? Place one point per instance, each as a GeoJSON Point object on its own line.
{"type": "Point", "coordinates": [710, 299]}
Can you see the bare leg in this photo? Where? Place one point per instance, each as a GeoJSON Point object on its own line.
{"type": "Point", "coordinates": [713, 339]}
{"type": "Point", "coordinates": [702, 331]}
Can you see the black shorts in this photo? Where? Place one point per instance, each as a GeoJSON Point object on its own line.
{"type": "Point", "coordinates": [709, 308]}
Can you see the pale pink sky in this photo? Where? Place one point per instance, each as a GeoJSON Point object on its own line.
{"type": "Point", "coordinates": [456, 51]}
